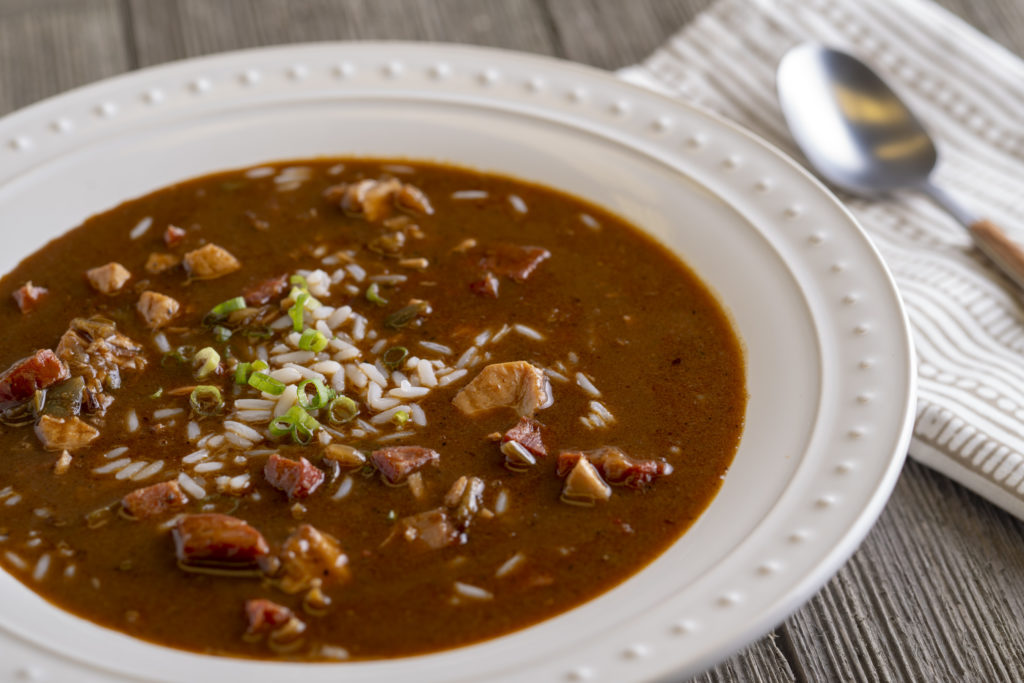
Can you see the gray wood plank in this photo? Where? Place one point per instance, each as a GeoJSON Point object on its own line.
{"type": "Point", "coordinates": [49, 46]}
{"type": "Point", "coordinates": [172, 29]}
{"type": "Point", "coordinates": [614, 34]}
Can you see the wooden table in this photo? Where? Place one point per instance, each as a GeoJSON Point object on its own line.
{"type": "Point", "coordinates": [935, 593]}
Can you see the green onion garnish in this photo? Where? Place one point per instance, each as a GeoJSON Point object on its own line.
{"type": "Point", "coordinates": [242, 372]}
{"type": "Point", "coordinates": [258, 332]}
{"type": "Point", "coordinates": [266, 383]}
{"type": "Point", "coordinates": [281, 426]}
{"type": "Point", "coordinates": [260, 365]}
{"type": "Point", "coordinates": [401, 417]}
{"type": "Point", "coordinates": [206, 400]}
{"type": "Point", "coordinates": [209, 358]}
{"type": "Point", "coordinates": [158, 393]}
{"type": "Point", "coordinates": [223, 309]}
{"type": "Point", "coordinates": [341, 410]}
{"type": "Point", "coordinates": [221, 333]}
{"type": "Point", "coordinates": [394, 356]}
{"type": "Point", "coordinates": [313, 401]}
{"type": "Point", "coordinates": [299, 282]}
{"type": "Point", "coordinates": [403, 316]}
{"type": "Point", "coordinates": [373, 295]}
{"type": "Point", "coordinates": [313, 340]}
{"type": "Point", "coordinates": [296, 422]}
{"type": "Point", "coordinates": [179, 355]}
{"type": "Point", "coordinates": [296, 310]}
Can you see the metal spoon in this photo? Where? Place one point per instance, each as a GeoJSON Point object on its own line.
{"type": "Point", "coordinates": [861, 137]}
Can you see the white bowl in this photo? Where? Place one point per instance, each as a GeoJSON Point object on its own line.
{"type": "Point", "coordinates": [829, 360]}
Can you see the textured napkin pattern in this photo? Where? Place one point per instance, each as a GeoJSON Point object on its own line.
{"type": "Point", "coordinates": [968, 321]}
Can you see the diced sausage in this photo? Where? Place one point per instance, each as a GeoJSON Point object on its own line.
{"type": "Point", "coordinates": [157, 309]}
{"type": "Point", "coordinates": [39, 371]}
{"type": "Point", "coordinates": [487, 286]}
{"type": "Point", "coordinates": [310, 554]}
{"type": "Point", "coordinates": [213, 539]}
{"type": "Point", "coordinates": [28, 296]}
{"type": "Point", "coordinates": [210, 261]}
{"type": "Point", "coordinates": [584, 485]}
{"type": "Point", "coordinates": [616, 467]}
{"type": "Point", "coordinates": [513, 260]}
{"type": "Point", "coordinates": [298, 478]}
{"type": "Point", "coordinates": [265, 616]}
{"type": "Point", "coordinates": [108, 279]}
{"type": "Point", "coordinates": [64, 433]}
{"type": "Point", "coordinates": [155, 500]}
{"type": "Point", "coordinates": [430, 530]}
{"type": "Point", "coordinates": [529, 434]}
{"type": "Point", "coordinates": [517, 385]}
{"type": "Point", "coordinates": [263, 292]}
{"type": "Point", "coordinates": [158, 263]}
{"type": "Point", "coordinates": [173, 235]}
{"type": "Point", "coordinates": [396, 463]}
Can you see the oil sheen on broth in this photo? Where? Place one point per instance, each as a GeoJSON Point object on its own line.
{"type": "Point", "coordinates": [354, 409]}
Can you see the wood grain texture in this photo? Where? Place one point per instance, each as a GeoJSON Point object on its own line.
{"type": "Point", "coordinates": [934, 593]}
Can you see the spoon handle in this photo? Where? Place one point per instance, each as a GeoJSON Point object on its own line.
{"type": "Point", "coordinates": [990, 239]}
{"type": "Point", "coordinates": [1003, 251]}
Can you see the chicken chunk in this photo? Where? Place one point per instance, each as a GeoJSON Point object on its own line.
{"type": "Point", "coordinates": [430, 530]}
{"type": "Point", "coordinates": [108, 279]}
{"type": "Point", "coordinates": [39, 371]}
{"type": "Point", "coordinates": [529, 434]}
{"type": "Point", "coordinates": [616, 467]}
{"type": "Point", "coordinates": [157, 309]}
{"type": "Point", "coordinates": [517, 385]}
{"type": "Point", "coordinates": [396, 463]}
{"type": "Point", "coordinates": [95, 351]}
{"type": "Point", "coordinates": [67, 433]}
{"type": "Point", "coordinates": [310, 555]}
{"type": "Point", "coordinates": [584, 486]}
{"type": "Point", "coordinates": [215, 540]}
{"type": "Point", "coordinates": [155, 500]}
{"type": "Point", "coordinates": [28, 296]}
{"type": "Point", "coordinates": [377, 200]}
{"type": "Point", "coordinates": [158, 263]}
{"type": "Point", "coordinates": [210, 261]}
{"type": "Point", "coordinates": [298, 478]}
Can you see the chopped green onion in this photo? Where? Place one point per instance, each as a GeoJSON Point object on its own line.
{"type": "Point", "coordinates": [318, 399]}
{"type": "Point", "coordinates": [299, 282]}
{"type": "Point", "coordinates": [313, 340]}
{"type": "Point", "coordinates": [281, 426]}
{"type": "Point", "coordinates": [242, 372]}
{"type": "Point", "coordinates": [302, 435]}
{"type": "Point", "coordinates": [209, 358]}
{"type": "Point", "coordinates": [180, 355]}
{"type": "Point", "coordinates": [259, 365]}
{"type": "Point", "coordinates": [404, 316]}
{"type": "Point", "coordinates": [373, 295]}
{"type": "Point", "coordinates": [392, 515]}
{"type": "Point", "coordinates": [158, 393]}
{"type": "Point", "coordinates": [206, 400]}
{"type": "Point", "coordinates": [401, 417]}
{"type": "Point", "coordinates": [221, 333]}
{"type": "Point", "coordinates": [223, 309]}
{"type": "Point", "coordinates": [266, 383]}
{"type": "Point", "coordinates": [394, 356]}
{"type": "Point", "coordinates": [296, 310]}
{"type": "Point", "coordinates": [258, 332]}
{"type": "Point", "coordinates": [341, 410]}
{"type": "Point", "coordinates": [296, 422]}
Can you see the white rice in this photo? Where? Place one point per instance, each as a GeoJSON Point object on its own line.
{"type": "Point", "coordinates": [500, 334]}
{"type": "Point", "coordinates": [254, 416]}
{"type": "Point", "coordinates": [406, 390]}
{"type": "Point", "coordinates": [338, 382]}
{"type": "Point", "coordinates": [469, 194]}
{"type": "Point", "coordinates": [215, 441]}
{"type": "Point", "coordinates": [395, 436]}
{"type": "Point", "coordinates": [387, 415]}
{"type": "Point", "coordinates": [209, 466]}
{"type": "Point", "coordinates": [244, 431]}
{"type": "Point", "coordinates": [13, 500]}
{"type": "Point", "coordinates": [131, 469]}
{"type": "Point", "coordinates": [482, 338]}
{"type": "Point", "coordinates": [425, 372]}
{"type": "Point", "coordinates": [417, 415]}
{"type": "Point", "coordinates": [281, 323]}
{"type": "Point", "coordinates": [42, 566]}
{"type": "Point", "coordinates": [148, 471]}
{"type": "Point", "coordinates": [557, 376]}
{"type": "Point", "coordinates": [590, 221]}
{"type": "Point", "coordinates": [111, 466]}
{"type": "Point", "coordinates": [517, 203]}
{"type": "Point", "coordinates": [16, 560]}
{"type": "Point", "coordinates": [160, 339]}
{"type": "Point", "coordinates": [467, 357]}
{"type": "Point", "coordinates": [165, 413]}
{"type": "Point", "coordinates": [386, 279]}
{"type": "Point", "coordinates": [304, 372]}
{"type": "Point", "coordinates": [434, 346]}
{"type": "Point", "coordinates": [600, 409]}
{"type": "Point", "coordinates": [501, 502]}
{"type": "Point", "coordinates": [510, 565]}
{"type": "Point", "coordinates": [201, 454]}
{"type": "Point", "coordinates": [376, 401]}
{"type": "Point", "coordinates": [286, 400]}
{"type": "Point", "coordinates": [254, 404]}
{"type": "Point", "coordinates": [356, 376]}
{"type": "Point", "coordinates": [260, 172]}
{"type": "Point", "coordinates": [474, 592]}
{"type": "Point", "coordinates": [240, 482]}
{"type": "Point", "coordinates": [343, 488]}
{"type": "Point", "coordinates": [286, 375]}
{"type": "Point", "coordinates": [238, 441]}
{"type": "Point", "coordinates": [373, 374]}
{"type": "Point", "coordinates": [192, 431]}
{"type": "Point", "coordinates": [294, 357]}
{"type": "Point", "coordinates": [528, 332]}
{"type": "Point", "coordinates": [120, 450]}
{"type": "Point", "coordinates": [191, 487]}
{"type": "Point", "coordinates": [358, 327]}
{"type": "Point", "coordinates": [356, 271]}
{"type": "Point", "coordinates": [451, 377]}
{"type": "Point", "coordinates": [584, 382]}
{"type": "Point", "coordinates": [140, 228]}
{"type": "Point", "coordinates": [326, 367]}
{"type": "Point", "coordinates": [338, 316]}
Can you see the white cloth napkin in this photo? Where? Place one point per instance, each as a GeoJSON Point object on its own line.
{"type": "Point", "coordinates": [967, 319]}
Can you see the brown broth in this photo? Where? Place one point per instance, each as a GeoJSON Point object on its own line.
{"type": "Point", "coordinates": [645, 329]}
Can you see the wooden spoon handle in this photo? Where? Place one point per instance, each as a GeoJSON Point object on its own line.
{"type": "Point", "coordinates": [1003, 251]}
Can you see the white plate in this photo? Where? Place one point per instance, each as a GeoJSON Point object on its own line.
{"type": "Point", "coordinates": [827, 346]}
